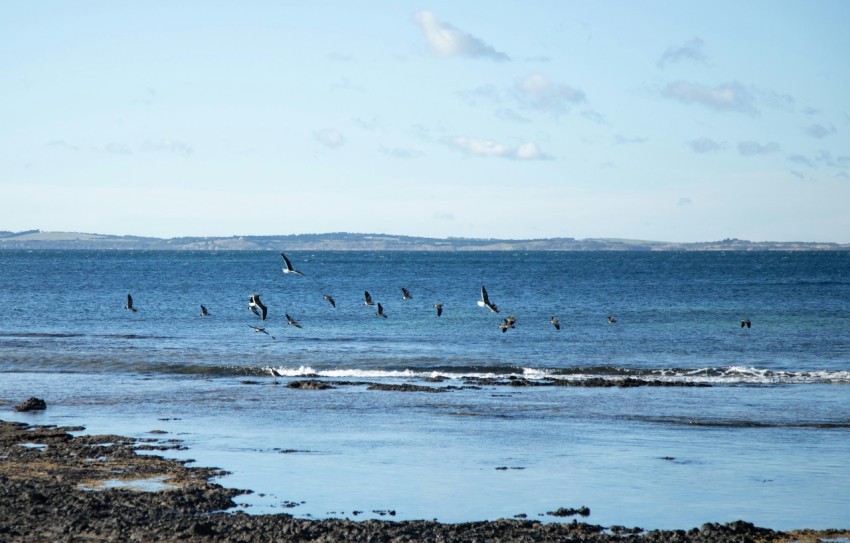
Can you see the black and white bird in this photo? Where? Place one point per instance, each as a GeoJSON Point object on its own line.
{"type": "Point", "coordinates": [380, 311]}
{"type": "Point", "coordinates": [256, 306]}
{"type": "Point", "coordinates": [612, 319]}
{"type": "Point", "coordinates": [405, 294]}
{"type": "Point", "coordinates": [439, 309]}
{"type": "Point", "coordinates": [555, 322]}
{"type": "Point", "coordinates": [275, 373]}
{"type": "Point", "coordinates": [746, 323]}
{"type": "Point", "coordinates": [507, 323]}
{"type": "Point", "coordinates": [261, 330]}
{"type": "Point", "coordinates": [291, 321]}
{"type": "Point", "coordinates": [328, 298]}
{"type": "Point", "coordinates": [367, 298]}
{"type": "Point", "coordinates": [204, 312]}
{"type": "Point", "coordinates": [129, 306]}
{"type": "Point", "coordinates": [289, 268]}
{"type": "Point", "coordinates": [485, 301]}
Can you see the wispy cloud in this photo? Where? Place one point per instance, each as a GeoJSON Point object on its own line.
{"type": "Point", "coordinates": [819, 131]}
{"type": "Point", "coordinates": [169, 146]}
{"type": "Point", "coordinates": [726, 97]}
{"type": "Point", "coordinates": [540, 93]}
{"type": "Point", "coordinates": [329, 138]}
{"type": "Point", "coordinates": [620, 139]}
{"type": "Point", "coordinates": [62, 144]}
{"type": "Point", "coordinates": [691, 50]}
{"type": "Point", "coordinates": [752, 148]}
{"type": "Point", "coordinates": [705, 145]}
{"type": "Point", "coordinates": [444, 40]}
{"type": "Point", "coordinates": [116, 148]}
{"type": "Point", "coordinates": [489, 148]}
{"type": "Point", "coordinates": [802, 159]}
{"type": "Point", "coordinates": [685, 201]}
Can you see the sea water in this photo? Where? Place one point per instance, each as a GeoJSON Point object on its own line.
{"type": "Point", "coordinates": [764, 438]}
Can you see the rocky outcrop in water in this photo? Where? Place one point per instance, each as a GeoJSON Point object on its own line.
{"type": "Point", "coordinates": [31, 404]}
{"type": "Point", "coordinates": [60, 488]}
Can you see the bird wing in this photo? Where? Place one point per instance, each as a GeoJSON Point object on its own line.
{"type": "Point", "coordinates": [286, 262]}
{"type": "Point", "coordinates": [484, 297]}
{"type": "Point", "coordinates": [129, 301]}
{"type": "Point", "coordinates": [368, 297]}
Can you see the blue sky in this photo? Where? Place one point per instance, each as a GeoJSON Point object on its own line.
{"type": "Point", "coordinates": [679, 121]}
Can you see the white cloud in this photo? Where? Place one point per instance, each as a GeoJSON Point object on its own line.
{"type": "Point", "coordinates": [329, 138]}
{"type": "Point", "coordinates": [445, 40]}
{"type": "Point", "coordinates": [691, 50]}
{"type": "Point", "coordinates": [541, 93]}
{"type": "Point", "coordinates": [726, 97]}
{"type": "Point", "coordinates": [751, 148]}
{"type": "Point", "coordinates": [489, 148]}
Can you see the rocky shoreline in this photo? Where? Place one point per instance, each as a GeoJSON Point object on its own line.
{"type": "Point", "coordinates": [55, 486]}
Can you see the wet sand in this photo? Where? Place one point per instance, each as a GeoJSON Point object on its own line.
{"type": "Point", "coordinates": [58, 487]}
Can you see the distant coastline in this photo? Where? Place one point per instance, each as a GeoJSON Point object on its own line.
{"type": "Point", "coordinates": [344, 241]}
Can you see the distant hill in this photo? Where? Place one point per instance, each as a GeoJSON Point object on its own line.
{"type": "Point", "coordinates": [343, 241]}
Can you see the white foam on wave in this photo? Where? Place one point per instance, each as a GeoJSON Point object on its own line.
{"type": "Point", "coordinates": [720, 376]}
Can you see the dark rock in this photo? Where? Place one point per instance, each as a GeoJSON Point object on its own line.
{"type": "Point", "coordinates": [310, 384]}
{"type": "Point", "coordinates": [32, 404]}
{"type": "Point", "coordinates": [405, 388]}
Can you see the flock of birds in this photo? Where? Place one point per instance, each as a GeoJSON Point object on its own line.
{"type": "Point", "coordinates": [259, 309]}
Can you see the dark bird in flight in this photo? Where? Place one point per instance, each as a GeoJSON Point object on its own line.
{"type": "Point", "coordinates": [380, 311]}
{"type": "Point", "coordinates": [129, 306]}
{"type": "Point", "coordinates": [204, 312]}
{"type": "Point", "coordinates": [612, 319]}
{"type": "Point", "coordinates": [405, 294]}
{"type": "Point", "coordinates": [439, 309]}
{"type": "Point", "coordinates": [367, 298]}
{"type": "Point", "coordinates": [747, 323]}
{"type": "Point", "coordinates": [485, 301]}
{"type": "Point", "coordinates": [255, 305]}
{"type": "Point", "coordinates": [507, 323]}
{"type": "Point", "coordinates": [261, 330]}
{"type": "Point", "coordinates": [328, 298]}
{"type": "Point", "coordinates": [275, 373]}
{"type": "Point", "coordinates": [555, 322]}
{"type": "Point", "coordinates": [289, 268]}
{"type": "Point", "coordinates": [291, 321]}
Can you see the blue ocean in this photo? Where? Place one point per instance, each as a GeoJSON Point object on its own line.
{"type": "Point", "coordinates": [705, 421]}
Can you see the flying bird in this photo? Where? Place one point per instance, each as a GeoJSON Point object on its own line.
{"type": "Point", "coordinates": [505, 324]}
{"type": "Point", "coordinates": [289, 268]}
{"type": "Point", "coordinates": [612, 319]}
{"type": "Point", "coordinates": [129, 306]}
{"type": "Point", "coordinates": [255, 305]}
{"type": "Point", "coordinates": [747, 323]}
{"type": "Point", "coordinates": [261, 330]}
{"type": "Point", "coordinates": [439, 309]}
{"type": "Point", "coordinates": [275, 373]}
{"type": "Point", "coordinates": [367, 298]}
{"type": "Point", "coordinates": [380, 311]}
{"type": "Point", "coordinates": [204, 312]}
{"type": "Point", "coordinates": [485, 301]}
{"type": "Point", "coordinates": [291, 321]}
{"type": "Point", "coordinates": [555, 322]}
{"type": "Point", "coordinates": [405, 294]}
{"type": "Point", "coordinates": [328, 298]}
